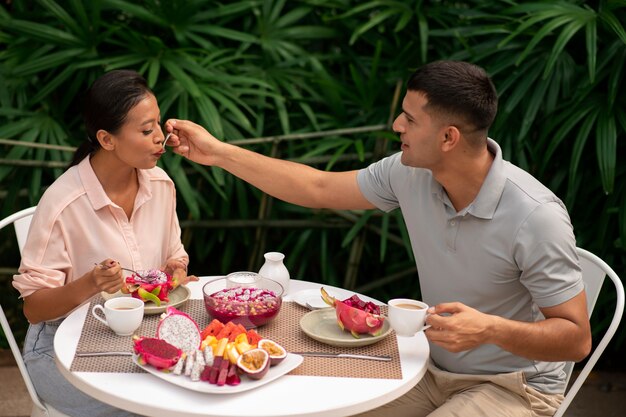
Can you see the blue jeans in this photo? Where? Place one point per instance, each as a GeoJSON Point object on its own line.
{"type": "Point", "coordinates": [51, 386]}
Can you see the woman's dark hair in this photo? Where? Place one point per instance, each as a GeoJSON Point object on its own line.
{"type": "Point", "coordinates": [106, 105]}
{"type": "Point", "coordinates": [458, 89]}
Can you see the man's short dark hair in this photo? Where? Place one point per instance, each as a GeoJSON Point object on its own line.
{"type": "Point", "coordinates": [459, 90]}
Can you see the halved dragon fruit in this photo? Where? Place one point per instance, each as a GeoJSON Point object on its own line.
{"type": "Point", "coordinates": [179, 329]}
{"type": "Point", "coordinates": [150, 285]}
{"type": "Point", "coordinates": [157, 352]}
{"type": "Point", "coordinates": [356, 315]}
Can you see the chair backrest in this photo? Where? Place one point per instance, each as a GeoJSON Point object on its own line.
{"type": "Point", "coordinates": [594, 270]}
{"type": "Point", "coordinates": [21, 222]}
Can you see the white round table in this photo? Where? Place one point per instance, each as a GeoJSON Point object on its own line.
{"type": "Point", "coordinates": [290, 395]}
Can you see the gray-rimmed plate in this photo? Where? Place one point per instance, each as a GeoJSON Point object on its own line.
{"type": "Point", "coordinates": [322, 326]}
{"type": "Point", "coordinates": [177, 297]}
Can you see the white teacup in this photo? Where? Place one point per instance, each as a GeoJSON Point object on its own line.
{"type": "Point", "coordinates": [122, 314]}
{"type": "Point", "coordinates": [407, 316]}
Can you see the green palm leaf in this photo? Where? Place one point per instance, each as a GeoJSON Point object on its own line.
{"type": "Point", "coordinates": [41, 32]}
{"type": "Point", "coordinates": [606, 147]}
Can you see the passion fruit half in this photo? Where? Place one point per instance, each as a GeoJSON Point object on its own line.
{"type": "Point", "coordinates": [254, 363]}
{"type": "Point", "coordinates": [277, 352]}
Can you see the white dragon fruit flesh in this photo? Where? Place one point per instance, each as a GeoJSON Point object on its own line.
{"type": "Point", "coordinates": [180, 330]}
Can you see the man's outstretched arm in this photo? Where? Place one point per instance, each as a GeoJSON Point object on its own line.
{"type": "Point", "coordinates": [289, 181]}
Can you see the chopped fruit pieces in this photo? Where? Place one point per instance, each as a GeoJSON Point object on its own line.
{"type": "Point", "coordinates": [149, 285]}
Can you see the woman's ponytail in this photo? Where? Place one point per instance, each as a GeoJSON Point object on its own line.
{"type": "Point", "coordinates": [85, 149]}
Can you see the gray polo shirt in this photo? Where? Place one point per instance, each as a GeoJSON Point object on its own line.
{"type": "Point", "coordinates": [511, 251]}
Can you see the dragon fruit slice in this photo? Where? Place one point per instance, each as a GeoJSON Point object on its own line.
{"type": "Point", "coordinates": [356, 315]}
{"type": "Point", "coordinates": [150, 285]}
{"type": "Point", "coordinates": [156, 352]}
{"type": "Point", "coordinates": [179, 329]}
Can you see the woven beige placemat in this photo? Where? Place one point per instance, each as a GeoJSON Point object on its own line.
{"type": "Point", "coordinates": [285, 329]}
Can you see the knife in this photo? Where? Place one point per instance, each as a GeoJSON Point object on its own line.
{"type": "Point", "coordinates": [345, 355]}
{"type": "Point", "coordinates": [88, 354]}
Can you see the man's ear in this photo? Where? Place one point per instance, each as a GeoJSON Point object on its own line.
{"type": "Point", "coordinates": [105, 139]}
{"type": "Point", "coordinates": [451, 138]}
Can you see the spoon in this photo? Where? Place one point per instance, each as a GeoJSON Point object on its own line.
{"type": "Point", "coordinates": [166, 139]}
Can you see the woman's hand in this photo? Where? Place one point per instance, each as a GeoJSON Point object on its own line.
{"type": "Point", "coordinates": [177, 268]}
{"type": "Point", "coordinates": [107, 276]}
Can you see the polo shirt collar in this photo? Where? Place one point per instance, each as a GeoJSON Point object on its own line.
{"type": "Point", "coordinates": [96, 194]}
{"type": "Point", "coordinates": [486, 202]}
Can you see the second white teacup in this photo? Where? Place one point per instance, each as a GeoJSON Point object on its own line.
{"type": "Point", "coordinates": [407, 316]}
{"type": "Point", "coordinates": [122, 314]}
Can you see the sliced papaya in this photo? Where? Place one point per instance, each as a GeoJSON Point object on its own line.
{"type": "Point", "coordinates": [239, 329]}
{"type": "Point", "coordinates": [253, 337]}
{"type": "Point", "coordinates": [212, 329]}
{"type": "Point", "coordinates": [226, 331]}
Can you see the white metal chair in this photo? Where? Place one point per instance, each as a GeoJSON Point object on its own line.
{"type": "Point", "coordinates": [21, 222]}
{"type": "Point", "coordinates": [594, 272]}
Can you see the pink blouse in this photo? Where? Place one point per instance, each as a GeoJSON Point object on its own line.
{"type": "Point", "coordinates": [76, 225]}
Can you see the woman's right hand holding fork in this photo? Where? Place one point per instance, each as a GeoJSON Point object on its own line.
{"type": "Point", "coordinates": [107, 276]}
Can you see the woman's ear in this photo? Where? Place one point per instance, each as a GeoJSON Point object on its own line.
{"type": "Point", "coordinates": [105, 139]}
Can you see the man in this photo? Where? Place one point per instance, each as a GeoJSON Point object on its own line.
{"type": "Point", "coordinates": [494, 248]}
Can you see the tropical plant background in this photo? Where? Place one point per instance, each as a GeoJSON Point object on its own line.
{"type": "Point", "coordinates": [319, 81]}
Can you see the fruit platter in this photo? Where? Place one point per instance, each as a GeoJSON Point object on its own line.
{"type": "Point", "coordinates": [222, 358]}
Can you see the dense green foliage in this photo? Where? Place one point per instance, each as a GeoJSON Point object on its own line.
{"type": "Point", "coordinates": [255, 68]}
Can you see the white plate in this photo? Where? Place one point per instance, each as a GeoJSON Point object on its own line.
{"type": "Point", "coordinates": [322, 326]}
{"type": "Point", "coordinates": [291, 362]}
{"type": "Point", "coordinates": [314, 297]}
{"type": "Point", "coordinates": [177, 297]}
{"type": "Point", "coordinates": [311, 299]}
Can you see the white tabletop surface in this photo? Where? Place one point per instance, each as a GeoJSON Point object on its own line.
{"type": "Point", "coordinates": [290, 395]}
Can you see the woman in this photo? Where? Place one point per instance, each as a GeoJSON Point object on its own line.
{"type": "Point", "coordinates": [113, 207]}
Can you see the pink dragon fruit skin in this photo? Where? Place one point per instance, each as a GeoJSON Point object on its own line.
{"type": "Point", "coordinates": [156, 352]}
{"type": "Point", "coordinates": [180, 330]}
{"type": "Point", "coordinates": [351, 318]}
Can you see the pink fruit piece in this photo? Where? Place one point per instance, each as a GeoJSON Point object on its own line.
{"type": "Point", "coordinates": [215, 370]}
{"type": "Point", "coordinates": [156, 352]}
{"type": "Point", "coordinates": [206, 372]}
{"type": "Point", "coordinates": [355, 315]}
{"type": "Point", "coordinates": [366, 306]}
{"type": "Point", "coordinates": [180, 330]}
{"type": "Point", "coordinates": [223, 373]}
{"type": "Point", "coordinates": [232, 378]}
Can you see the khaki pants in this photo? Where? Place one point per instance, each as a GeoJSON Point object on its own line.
{"type": "Point", "coordinates": [445, 394]}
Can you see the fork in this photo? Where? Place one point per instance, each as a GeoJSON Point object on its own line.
{"type": "Point", "coordinates": [125, 269]}
{"type": "Point", "coordinates": [133, 271]}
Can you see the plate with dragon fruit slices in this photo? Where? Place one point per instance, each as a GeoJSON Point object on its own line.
{"type": "Point", "coordinates": [176, 297]}
{"type": "Point", "coordinates": [291, 362]}
{"type": "Point", "coordinates": [321, 325]}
